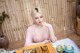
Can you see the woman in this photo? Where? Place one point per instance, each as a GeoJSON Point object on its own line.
{"type": "Point", "coordinates": [40, 31]}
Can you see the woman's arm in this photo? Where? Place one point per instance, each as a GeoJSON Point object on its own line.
{"type": "Point", "coordinates": [28, 39]}
{"type": "Point", "coordinates": [44, 42]}
{"type": "Point", "coordinates": [52, 36]}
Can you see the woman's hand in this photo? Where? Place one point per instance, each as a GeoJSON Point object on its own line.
{"type": "Point", "coordinates": [46, 41]}
{"type": "Point", "coordinates": [54, 39]}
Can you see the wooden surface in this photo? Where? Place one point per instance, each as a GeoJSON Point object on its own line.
{"type": "Point", "coordinates": [78, 26]}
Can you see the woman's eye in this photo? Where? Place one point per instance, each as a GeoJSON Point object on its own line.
{"type": "Point", "coordinates": [36, 17]}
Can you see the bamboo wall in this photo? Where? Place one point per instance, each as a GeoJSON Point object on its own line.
{"type": "Point", "coordinates": [60, 13]}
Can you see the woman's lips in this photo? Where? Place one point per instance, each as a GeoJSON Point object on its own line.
{"type": "Point", "coordinates": [39, 22]}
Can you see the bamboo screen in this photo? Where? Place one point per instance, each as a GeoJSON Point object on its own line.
{"type": "Point", "coordinates": [60, 13]}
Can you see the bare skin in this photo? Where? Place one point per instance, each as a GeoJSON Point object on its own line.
{"type": "Point", "coordinates": [39, 32]}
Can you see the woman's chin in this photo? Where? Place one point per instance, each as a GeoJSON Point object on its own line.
{"type": "Point", "coordinates": [40, 24]}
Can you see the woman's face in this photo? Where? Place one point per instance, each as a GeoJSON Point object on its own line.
{"type": "Point", "coordinates": [38, 19]}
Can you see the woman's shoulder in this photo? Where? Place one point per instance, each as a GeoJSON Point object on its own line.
{"type": "Point", "coordinates": [31, 27]}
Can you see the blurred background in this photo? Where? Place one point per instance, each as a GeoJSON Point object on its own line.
{"type": "Point", "coordinates": [62, 14]}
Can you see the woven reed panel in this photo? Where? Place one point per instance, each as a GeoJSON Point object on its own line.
{"type": "Point", "coordinates": [60, 13]}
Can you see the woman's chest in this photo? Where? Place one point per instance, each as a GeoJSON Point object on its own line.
{"type": "Point", "coordinates": [41, 31]}
{"type": "Point", "coordinates": [40, 34]}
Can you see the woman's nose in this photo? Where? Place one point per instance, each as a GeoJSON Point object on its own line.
{"type": "Point", "coordinates": [40, 19]}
